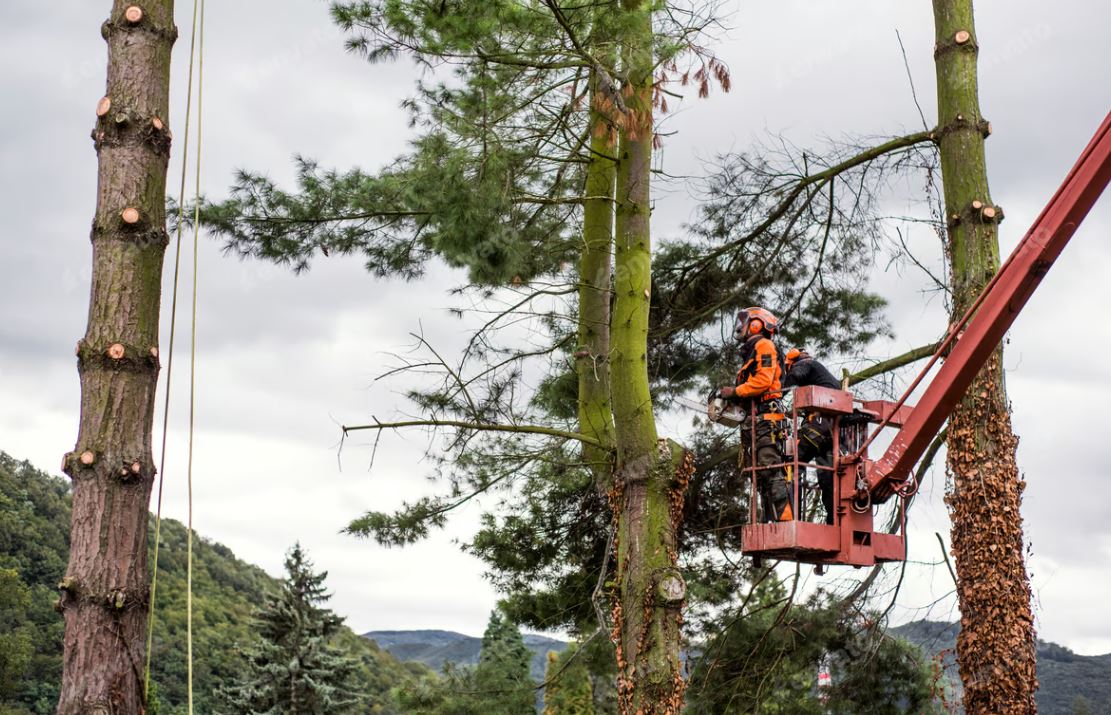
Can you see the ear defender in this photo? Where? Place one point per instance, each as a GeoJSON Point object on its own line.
{"type": "Point", "coordinates": [755, 326]}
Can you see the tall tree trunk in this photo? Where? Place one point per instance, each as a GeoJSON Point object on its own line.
{"type": "Point", "coordinates": [104, 594]}
{"type": "Point", "coordinates": [592, 357]}
{"type": "Point", "coordinates": [651, 474]}
{"type": "Point", "coordinates": [995, 648]}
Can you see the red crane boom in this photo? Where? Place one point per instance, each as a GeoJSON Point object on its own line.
{"type": "Point", "coordinates": [858, 482]}
{"type": "Point", "coordinates": [993, 313]}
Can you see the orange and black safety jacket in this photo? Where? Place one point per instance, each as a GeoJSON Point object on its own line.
{"type": "Point", "coordinates": [761, 373]}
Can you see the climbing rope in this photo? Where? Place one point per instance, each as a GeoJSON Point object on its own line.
{"type": "Point", "coordinates": [198, 55]}
{"type": "Point", "coordinates": [193, 363]}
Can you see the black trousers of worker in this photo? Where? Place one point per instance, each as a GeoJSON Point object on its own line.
{"type": "Point", "coordinates": [814, 443]}
{"type": "Point", "coordinates": [771, 483]}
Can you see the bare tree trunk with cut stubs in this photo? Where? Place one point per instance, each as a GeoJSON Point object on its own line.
{"type": "Point", "coordinates": [104, 594]}
{"type": "Point", "coordinates": [995, 648]}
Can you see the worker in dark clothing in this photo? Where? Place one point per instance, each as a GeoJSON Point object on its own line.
{"type": "Point", "coordinates": [758, 389]}
{"type": "Point", "coordinates": [814, 439]}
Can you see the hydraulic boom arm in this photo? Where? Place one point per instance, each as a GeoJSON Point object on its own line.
{"type": "Point", "coordinates": [992, 314]}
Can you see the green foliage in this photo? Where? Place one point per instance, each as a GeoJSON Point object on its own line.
{"type": "Point", "coordinates": [15, 636]}
{"type": "Point", "coordinates": [34, 543]}
{"type": "Point", "coordinates": [292, 667]}
{"type": "Point", "coordinates": [567, 689]}
{"type": "Point", "coordinates": [498, 685]}
{"type": "Point", "coordinates": [766, 659]}
{"type": "Point", "coordinates": [34, 529]}
{"type": "Point", "coordinates": [453, 693]}
{"type": "Point", "coordinates": [547, 547]}
{"type": "Point", "coordinates": [502, 676]}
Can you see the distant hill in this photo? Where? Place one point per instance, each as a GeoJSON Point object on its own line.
{"type": "Point", "coordinates": [1064, 676]}
{"type": "Point", "coordinates": [34, 546]}
{"type": "Point", "coordinates": [434, 648]}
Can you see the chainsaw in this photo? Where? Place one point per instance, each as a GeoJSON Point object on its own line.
{"type": "Point", "coordinates": [718, 410]}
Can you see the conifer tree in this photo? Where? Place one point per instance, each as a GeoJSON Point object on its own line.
{"type": "Point", "coordinates": [105, 592]}
{"type": "Point", "coordinates": [293, 669]}
{"type": "Point", "coordinates": [502, 681]}
{"type": "Point", "coordinates": [529, 162]}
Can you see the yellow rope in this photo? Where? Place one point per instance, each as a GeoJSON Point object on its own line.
{"type": "Point", "coordinates": [193, 363]}
{"type": "Point", "coordinates": [170, 356]}
{"type": "Point", "coordinates": [196, 52]}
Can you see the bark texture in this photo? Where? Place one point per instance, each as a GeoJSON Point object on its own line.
{"type": "Point", "coordinates": [592, 357]}
{"type": "Point", "coordinates": [651, 474]}
{"type": "Point", "coordinates": [105, 592]}
{"type": "Point", "coordinates": [995, 648]}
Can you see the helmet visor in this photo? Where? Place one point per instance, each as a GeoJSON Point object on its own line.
{"type": "Point", "coordinates": [740, 328]}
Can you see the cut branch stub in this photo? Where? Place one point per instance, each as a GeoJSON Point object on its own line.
{"type": "Point", "coordinates": [87, 457]}
{"type": "Point", "coordinates": [130, 215]}
{"type": "Point", "coordinates": [671, 589]}
{"type": "Point", "coordinates": [988, 213]}
{"type": "Point", "coordinates": [154, 352]}
{"type": "Point", "coordinates": [103, 106]}
{"type": "Point", "coordinates": [116, 351]}
{"type": "Point", "coordinates": [133, 14]}
{"type": "Point", "coordinates": [977, 205]}
{"type": "Point", "coordinates": [962, 37]}
{"type": "Point", "coordinates": [156, 123]}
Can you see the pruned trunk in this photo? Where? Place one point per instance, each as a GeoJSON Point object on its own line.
{"type": "Point", "coordinates": [995, 648]}
{"type": "Point", "coordinates": [651, 474]}
{"type": "Point", "coordinates": [104, 595]}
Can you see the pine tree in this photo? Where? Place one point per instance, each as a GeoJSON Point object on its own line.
{"type": "Point", "coordinates": [532, 170]}
{"type": "Point", "coordinates": [502, 678]}
{"type": "Point", "coordinates": [105, 591]}
{"type": "Point", "coordinates": [567, 689]}
{"type": "Point", "coordinates": [293, 670]}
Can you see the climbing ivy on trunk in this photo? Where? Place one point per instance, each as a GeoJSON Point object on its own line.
{"type": "Point", "coordinates": [995, 648]}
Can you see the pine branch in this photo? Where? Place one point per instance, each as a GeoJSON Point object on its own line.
{"type": "Point", "coordinates": [821, 177]}
{"type": "Point", "coordinates": [481, 427]}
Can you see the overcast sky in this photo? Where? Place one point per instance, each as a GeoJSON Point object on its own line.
{"type": "Point", "coordinates": [283, 360]}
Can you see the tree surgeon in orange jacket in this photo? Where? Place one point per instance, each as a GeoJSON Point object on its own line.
{"type": "Point", "coordinates": [758, 390]}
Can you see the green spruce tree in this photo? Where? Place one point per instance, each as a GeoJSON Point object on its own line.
{"type": "Point", "coordinates": [293, 669]}
{"type": "Point", "coordinates": [502, 678]}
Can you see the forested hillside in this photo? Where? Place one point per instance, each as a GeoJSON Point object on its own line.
{"type": "Point", "coordinates": [438, 648]}
{"type": "Point", "coordinates": [34, 528]}
{"type": "Point", "coordinates": [1067, 682]}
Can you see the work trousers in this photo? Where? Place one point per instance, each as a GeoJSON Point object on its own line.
{"type": "Point", "coordinates": [814, 443]}
{"type": "Point", "coordinates": [771, 484]}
